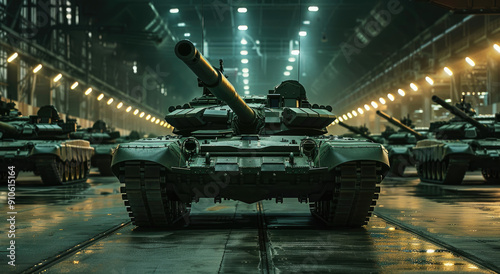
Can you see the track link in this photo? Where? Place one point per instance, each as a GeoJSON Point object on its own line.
{"type": "Point", "coordinates": [144, 191]}
{"type": "Point", "coordinates": [54, 172]}
{"type": "Point", "coordinates": [357, 186]}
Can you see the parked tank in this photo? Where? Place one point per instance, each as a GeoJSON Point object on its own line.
{"type": "Point", "coordinates": [399, 144]}
{"type": "Point", "coordinates": [360, 132]}
{"type": "Point", "coordinates": [463, 144]}
{"type": "Point", "coordinates": [272, 148]}
{"type": "Point", "coordinates": [39, 143]}
{"type": "Point", "coordinates": [104, 141]}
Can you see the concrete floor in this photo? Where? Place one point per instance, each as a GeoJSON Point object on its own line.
{"type": "Point", "coordinates": [450, 226]}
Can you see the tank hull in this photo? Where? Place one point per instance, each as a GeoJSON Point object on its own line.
{"type": "Point", "coordinates": [250, 169]}
{"type": "Point", "coordinates": [446, 162]}
{"type": "Point", "coordinates": [57, 162]}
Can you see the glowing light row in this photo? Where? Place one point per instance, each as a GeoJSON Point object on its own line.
{"type": "Point", "coordinates": [402, 93]}
{"type": "Point", "coordinates": [89, 90]}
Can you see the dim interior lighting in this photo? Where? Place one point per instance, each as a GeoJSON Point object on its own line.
{"type": "Point", "coordinates": [286, 73]}
{"type": "Point", "coordinates": [447, 100]}
{"type": "Point", "coordinates": [246, 87]}
{"type": "Point", "coordinates": [142, 114]}
{"type": "Point", "coordinates": [360, 110]}
{"type": "Point", "coordinates": [128, 109]}
{"type": "Point", "coordinates": [110, 101]}
{"type": "Point", "coordinates": [153, 120]}
{"type": "Point", "coordinates": [243, 41]}
{"type": "Point", "coordinates": [58, 77]}
{"type": "Point", "coordinates": [169, 126]}
{"type": "Point", "coordinates": [390, 96]}
{"type": "Point", "coordinates": [345, 117]}
{"type": "Point", "coordinates": [120, 105]}
{"type": "Point", "coordinates": [12, 57]}
{"type": "Point", "coordinates": [246, 74]}
{"type": "Point", "coordinates": [243, 27]}
{"type": "Point", "coordinates": [302, 33]}
{"type": "Point", "coordinates": [245, 81]}
{"type": "Point", "coordinates": [242, 10]}
{"type": "Point", "coordinates": [374, 104]}
{"type": "Point", "coordinates": [496, 47]}
{"type": "Point", "coordinates": [469, 61]}
{"type": "Point", "coordinates": [99, 98]}
{"type": "Point", "coordinates": [291, 59]}
{"type": "Point", "coordinates": [381, 100]}
{"type": "Point", "coordinates": [187, 34]}
{"type": "Point", "coordinates": [430, 251]}
{"type": "Point", "coordinates": [148, 117]}
{"type": "Point", "coordinates": [136, 111]}
{"type": "Point", "coordinates": [37, 68]}
{"type": "Point", "coordinates": [349, 115]}
{"type": "Point", "coordinates": [181, 24]}
{"type": "Point", "coordinates": [367, 107]}
{"type": "Point", "coordinates": [174, 10]}
{"type": "Point", "coordinates": [429, 80]}
{"type": "Point", "coordinates": [75, 84]}
{"type": "Point", "coordinates": [307, 22]}
{"type": "Point", "coordinates": [448, 264]}
{"type": "Point", "coordinates": [413, 86]}
{"type": "Point", "coordinates": [88, 91]}
{"type": "Point", "coordinates": [295, 52]}
{"type": "Point", "coordinates": [244, 61]}
{"type": "Point", "coordinates": [448, 71]}
{"type": "Point", "coordinates": [244, 52]}
{"type": "Point", "coordinates": [157, 121]}
{"type": "Point", "coordinates": [313, 8]}
{"type": "Point", "coordinates": [245, 70]}
{"type": "Point", "coordinates": [354, 113]}
{"type": "Point", "coordinates": [340, 119]}
{"type": "Point", "coordinates": [162, 123]}
{"type": "Point", "coordinates": [289, 67]}
{"type": "Point", "coordinates": [247, 92]}
{"type": "Point", "coordinates": [401, 92]}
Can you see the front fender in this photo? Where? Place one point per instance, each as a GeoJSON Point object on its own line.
{"type": "Point", "coordinates": [334, 153]}
{"type": "Point", "coordinates": [165, 153]}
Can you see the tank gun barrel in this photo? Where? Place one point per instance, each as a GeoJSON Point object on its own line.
{"type": "Point", "coordinates": [8, 129]}
{"type": "Point", "coordinates": [458, 112]}
{"type": "Point", "coordinates": [399, 124]}
{"type": "Point", "coordinates": [355, 130]}
{"type": "Point", "coordinates": [214, 80]}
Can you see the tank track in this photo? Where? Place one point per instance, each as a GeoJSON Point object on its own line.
{"type": "Point", "coordinates": [55, 172]}
{"type": "Point", "coordinates": [356, 190]}
{"type": "Point", "coordinates": [144, 191]}
{"type": "Point", "coordinates": [448, 171]}
{"type": "Point", "coordinates": [104, 165]}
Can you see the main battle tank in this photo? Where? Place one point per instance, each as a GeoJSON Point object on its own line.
{"type": "Point", "coordinates": [227, 148]}
{"type": "Point", "coordinates": [463, 144]}
{"type": "Point", "coordinates": [399, 143]}
{"type": "Point", "coordinates": [104, 141]}
{"type": "Point", "coordinates": [360, 132]}
{"type": "Point", "coordinates": [39, 143]}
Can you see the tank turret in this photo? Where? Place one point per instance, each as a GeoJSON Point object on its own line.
{"type": "Point", "coordinates": [45, 125]}
{"type": "Point", "coordinates": [218, 84]}
{"type": "Point", "coordinates": [462, 115]}
{"type": "Point", "coordinates": [401, 125]}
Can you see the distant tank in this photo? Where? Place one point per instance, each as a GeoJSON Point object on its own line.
{"type": "Point", "coordinates": [465, 143]}
{"type": "Point", "coordinates": [399, 143]}
{"type": "Point", "coordinates": [269, 147]}
{"type": "Point", "coordinates": [104, 141]}
{"type": "Point", "coordinates": [39, 143]}
{"type": "Point", "coordinates": [360, 132]}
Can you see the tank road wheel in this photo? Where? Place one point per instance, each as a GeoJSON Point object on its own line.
{"type": "Point", "coordinates": [78, 173]}
{"type": "Point", "coordinates": [397, 166]}
{"type": "Point", "coordinates": [50, 169]}
{"type": "Point", "coordinates": [72, 173]}
{"type": "Point", "coordinates": [439, 171]}
{"type": "Point", "coordinates": [354, 196]}
{"type": "Point", "coordinates": [67, 170]}
{"type": "Point", "coordinates": [420, 170]}
{"type": "Point", "coordinates": [83, 172]}
{"type": "Point", "coordinates": [144, 191]}
{"type": "Point", "coordinates": [491, 175]}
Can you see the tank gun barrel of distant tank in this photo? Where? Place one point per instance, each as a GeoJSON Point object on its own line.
{"type": "Point", "coordinates": [8, 129]}
{"type": "Point", "coordinates": [458, 112]}
{"type": "Point", "coordinates": [355, 130]}
{"type": "Point", "coordinates": [399, 124]}
{"type": "Point", "coordinates": [214, 80]}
